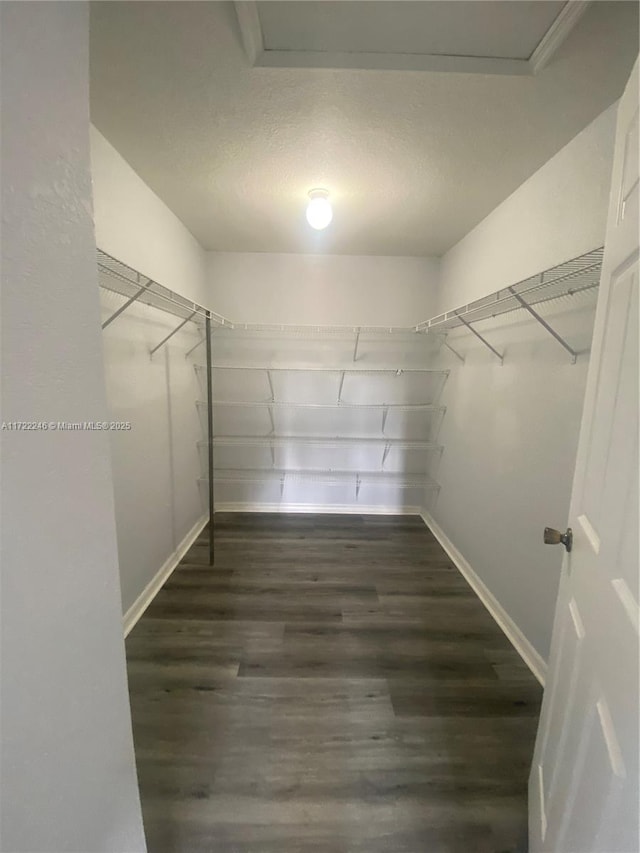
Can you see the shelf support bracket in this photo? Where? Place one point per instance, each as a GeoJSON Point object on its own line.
{"type": "Point", "coordinates": [479, 336]}
{"type": "Point", "coordinates": [340, 388]}
{"type": "Point", "coordinates": [171, 334]}
{"type": "Point", "coordinates": [385, 412]}
{"type": "Point", "coordinates": [282, 486]}
{"type": "Point", "coordinates": [355, 348]}
{"type": "Point", "coordinates": [273, 393]}
{"type": "Point", "coordinates": [273, 425]}
{"type": "Point", "coordinates": [273, 454]}
{"type": "Point", "coordinates": [129, 302]}
{"type": "Point", "coordinates": [195, 346]}
{"type": "Point", "coordinates": [358, 484]}
{"type": "Point", "coordinates": [545, 325]}
{"type": "Point", "coordinates": [451, 349]}
{"type": "Point", "coordinates": [385, 453]}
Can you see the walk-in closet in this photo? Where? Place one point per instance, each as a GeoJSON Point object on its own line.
{"type": "Point", "coordinates": [320, 426]}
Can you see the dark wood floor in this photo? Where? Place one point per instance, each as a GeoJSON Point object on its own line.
{"type": "Point", "coordinates": [333, 685]}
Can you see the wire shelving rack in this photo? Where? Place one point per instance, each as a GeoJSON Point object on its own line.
{"type": "Point", "coordinates": [572, 277]}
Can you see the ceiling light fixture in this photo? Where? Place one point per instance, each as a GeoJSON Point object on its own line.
{"type": "Point", "coordinates": [319, 211]}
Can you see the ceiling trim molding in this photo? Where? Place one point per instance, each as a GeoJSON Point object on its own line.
{"type": "Point", "coordinates": [259, 57]}
{"type": "Point", "coordinates": [363, 61]}
{"type": "Point", "coordinates": [250, 30]}
{"type": "Point", "coordinates": [556, 34]}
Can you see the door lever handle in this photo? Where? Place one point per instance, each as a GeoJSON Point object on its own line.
{"type": "Point", "coordinates": [554, 537]}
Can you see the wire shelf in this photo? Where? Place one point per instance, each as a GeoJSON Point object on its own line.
{"type": "Point", "coordinates": [319, 441]}
{"type": "Point", "coordinates": [325, 477]}
{"type": "Point", "coordinates": [119, 278]}
{"type": "Point", "coordinates": [286, 328]}
{"type": "Point", "coordinates": [392, 371]}
{"type": "Point", "coordinates": [278, 404]}
{"type": "Point", "coordinates": [575, 276]}
{"type": "Point", "coordinates": [567, 279]}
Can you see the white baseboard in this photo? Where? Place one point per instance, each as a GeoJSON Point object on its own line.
{"type": "Point", "coordinates": [152, 588]}
{"type": "Point", "coordinates": [337, 509]}
{"type": "Point", "coordinates": [527, 652]}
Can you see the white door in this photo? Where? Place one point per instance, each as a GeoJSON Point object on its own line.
{"type": "Point", "coordinates": [583, 788]}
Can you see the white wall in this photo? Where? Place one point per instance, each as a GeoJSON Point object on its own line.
{"type": "Point", "coordinates": [155, 464]}
{"type": "Point", "coordinates": [557, 214]}
{"type": "Point", "coordinates": [322, 289]}
{"type": "Point", "coordinates": [136, 227]}
{"type": "Point", "coordinates": [510, 433]}
{"type": "Point", "coordinates": [510, 437]}
{"type": "Point", "coordinates": [68, 773]}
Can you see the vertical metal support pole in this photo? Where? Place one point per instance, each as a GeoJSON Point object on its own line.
{"type": "Point", "coordinates": [210, 434]}
{"type": "Point", "coordinates": [340, 388]}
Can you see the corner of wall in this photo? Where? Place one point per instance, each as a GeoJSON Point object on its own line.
{"type": "Point", "coordinates": [135, 226]}
{"type": "Point", "coordinates": [557, 214]}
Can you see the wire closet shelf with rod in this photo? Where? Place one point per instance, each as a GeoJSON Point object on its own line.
{"type": "Point", "coordinates": [130, 287]}
{"type": "Point", "coordinates": [352, 411]}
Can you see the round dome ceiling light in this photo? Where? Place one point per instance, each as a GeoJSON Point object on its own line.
{"type": "Point", "coordinates": [319, 211]}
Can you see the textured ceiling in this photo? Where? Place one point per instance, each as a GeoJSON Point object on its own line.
{"type": "Point", "coordinates": [413, 160]}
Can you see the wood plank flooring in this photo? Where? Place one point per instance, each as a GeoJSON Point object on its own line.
{"type": "Point", "coordinates": [333, 685]}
